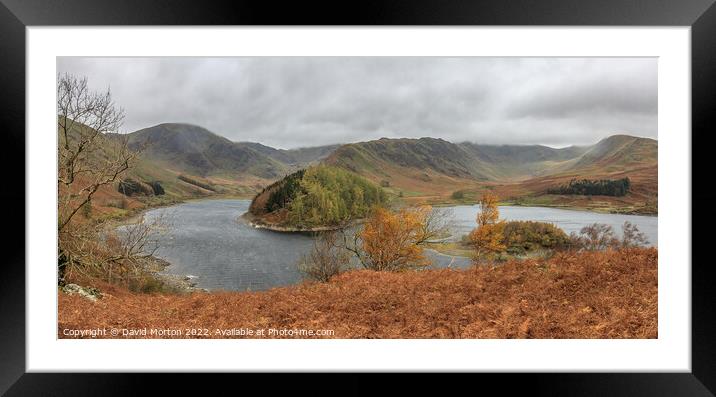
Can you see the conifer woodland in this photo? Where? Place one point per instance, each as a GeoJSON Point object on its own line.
{"type": "Point", "coordinates": [319, 196]}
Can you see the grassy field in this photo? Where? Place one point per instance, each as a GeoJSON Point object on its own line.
{"type": "Point", "coordinates": [611, 294]}
{"type": "Point", "coordinates": [642, 200]}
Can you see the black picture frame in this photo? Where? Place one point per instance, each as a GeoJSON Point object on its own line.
{"type": "Point", "coordinates": [16, 15]}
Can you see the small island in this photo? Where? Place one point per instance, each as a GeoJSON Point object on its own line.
{"type": "Point", "coordinates": [318, 198]}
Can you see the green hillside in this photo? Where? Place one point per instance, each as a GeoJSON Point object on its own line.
{"type": "Point", "coordinates": [519, 162]}
{"type": "Point", "coordinates": [190, 161]}
{"type": "Point", "coordinates": [489, 162]}
{"type": "Point", "coordinates": [195, 150]}
{"type": "Point", "coordinates": [619, 152]}
{"type": "Point", "coordinates": [152, 179]}
{"type": "Point", "coordinates": [436, 171]}
{"type": "Point", "coordinates": [386, 156]}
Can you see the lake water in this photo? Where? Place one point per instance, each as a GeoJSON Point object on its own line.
{"type": "Point", "coordinates": [207, 240]}
{"type": "Point", "coordinates": [567, 220]}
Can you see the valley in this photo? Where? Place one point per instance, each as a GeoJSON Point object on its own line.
{"type": "Point", "coordinates": [192, 162]}
{"type": "Point", "coordinates": [357, 197]}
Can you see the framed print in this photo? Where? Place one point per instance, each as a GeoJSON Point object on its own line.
{"type": "Point", "coordinates": [476, 189]}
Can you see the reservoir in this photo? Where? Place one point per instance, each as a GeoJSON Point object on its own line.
{"type": "Point", "coordinates": [208, 240]}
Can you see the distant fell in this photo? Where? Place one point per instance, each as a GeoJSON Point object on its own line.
{"type": "Point", "coordinates": [427, 169]}
{"type": "Point", "coordinates": [297, 157]}
{"type": "Point", "coordinates": [620, 151]}
{"type": "Point", "coordinates": [196, 150]}
{"type": "Point", "coordinates": [384, 157]}
{"type": "Point", "coordinates": [436, 171]}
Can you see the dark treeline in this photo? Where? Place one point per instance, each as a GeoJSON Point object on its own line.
{"type": "Point", "coordinates": [131, 187]}
{"type": "Point", "coordinates": [589, 187]}
{"type": "Point", "coordinates": [195, 182]}
{"type": "Point", "coordinates": [284, 191]}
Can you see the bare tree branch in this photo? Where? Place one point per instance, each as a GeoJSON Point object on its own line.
{"type": "Point", "coordinates": [87, 158]}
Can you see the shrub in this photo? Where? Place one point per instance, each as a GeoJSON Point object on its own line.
{"type": "Point", "coordinates": [115, 256]}
{"type": "Point", "coordinates": [632, 237]}
{"type": "Point", "coordinates": [598, 236]}
{"type": "Point", "coordinates": [394, 240]}
{"type": "Point", "coordinates": [458, 195]}
{"type": "Point", "coordinates": [594, 237]}
{"type": "Point", "coordinates": [589, 295]}
{"type": "Point", "coordinates": [525, 236]}
{"type": "Point", "coordinates": [325, 260]}
{"type": "Point", "coordinates": [145, 285]}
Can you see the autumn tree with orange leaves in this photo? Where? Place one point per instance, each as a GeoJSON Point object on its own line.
{"type": "Point", "coordinates": [487, 238]}
{"type": "Point", "coordinates": [393, 240]}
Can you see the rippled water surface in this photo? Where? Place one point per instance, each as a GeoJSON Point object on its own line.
{"type": "Point", "coordinates": [206, 239]}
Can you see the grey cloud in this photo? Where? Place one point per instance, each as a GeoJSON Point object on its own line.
{"type": "Point", "coordinates": [625, 87]}
{"type": "Point", "coordinates": [306, 101]}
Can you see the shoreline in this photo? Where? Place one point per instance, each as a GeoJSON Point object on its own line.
{"type": "Point", "coordinates": [555, 206]}
{"type": "Point", "coordinates": [596, 210]}
{"type": "Point", "coordinates": [185, 283]}
{"type": "Point", "coordinates": [180, 283]}
{"type": "Point", "coordinates": [134, 216]}
{"type": "Point", "coordinates": [250, 219]}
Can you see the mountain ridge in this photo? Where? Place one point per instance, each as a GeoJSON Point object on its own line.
{"type": "Point", "coordinates": [434, 170]}
{"type": "Point", "coordinates": [489, 162]}
{"type": "Point", "coordinates": [419, 169]}
{"type": "Point", "coordinates": [196, 150]}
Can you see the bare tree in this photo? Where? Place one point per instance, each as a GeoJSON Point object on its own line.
{"type": "Point", "coordinates": [131, 245]}
{"type": "Point", "coordinates": [350, 240]}
{"type": "Point", "coordinates": [436, 226]}
{"type": "Point", "coordinates": [595, 237]}
{"type": "Point", "coordinates": [141, 239]}
{"type": "Point", "coordinates": [325, 260]}
{"type": "Point", "coordinates": [91, 154]}
{"type": "Point", "coordinates": [632, 237]}
{"type": "Point", "coordinates": [101, 250]}
{"type": "Point", "coordinates": [87, 158]}
{"type": "Point", "coordinates": [599, 236]}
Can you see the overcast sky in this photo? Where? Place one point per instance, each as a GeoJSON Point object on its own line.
{"type": "Point", "coordinates": [289, 102]}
